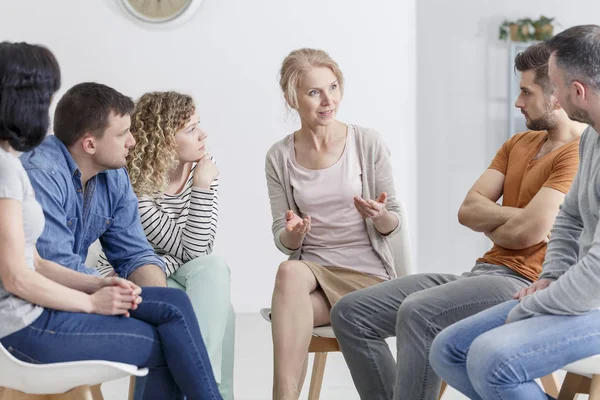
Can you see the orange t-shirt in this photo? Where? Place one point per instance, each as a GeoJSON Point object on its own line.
{"type": "Point", "coordinates": [524, 177]}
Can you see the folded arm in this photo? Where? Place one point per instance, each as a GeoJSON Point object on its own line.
{"type": "Point", "coordinates": [532, 224]}
{"type": "Point", "coordinates": [479, 211]}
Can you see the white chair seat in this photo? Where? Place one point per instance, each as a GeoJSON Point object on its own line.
{"type": "Point", "coordinates": [586, 367]}
{"type": "Point", "coordinates": [59, 377]}
{"type": "Point", "coordinates": [325, 331]}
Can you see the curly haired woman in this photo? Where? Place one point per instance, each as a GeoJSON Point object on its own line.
{"type": "Point", "coordinates": [175, 179]}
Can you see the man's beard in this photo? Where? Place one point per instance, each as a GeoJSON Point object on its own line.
{"type": "Point", "coordinates": [543, 123]}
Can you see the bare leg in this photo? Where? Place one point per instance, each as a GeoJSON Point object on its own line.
{"type": "Point", "coordinates": [294, 312]}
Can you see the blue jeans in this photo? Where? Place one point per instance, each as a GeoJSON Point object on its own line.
{"type": "Point", "coordinates": [162, 335]}
{"type": "Point", "coordinates": [485, 358]}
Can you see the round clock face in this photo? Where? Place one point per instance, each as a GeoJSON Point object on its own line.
{"type": "Point", "coordinates": [157, 10]}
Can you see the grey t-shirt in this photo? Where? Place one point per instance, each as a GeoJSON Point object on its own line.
{"type": "Point", "coordinates": [16, 313]}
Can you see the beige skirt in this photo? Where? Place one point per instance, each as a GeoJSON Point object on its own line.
{"type": "Point", "coordinates": [337, 282]}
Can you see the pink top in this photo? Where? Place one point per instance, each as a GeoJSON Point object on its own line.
{"type": "Point", "coordinates": [338, 235]}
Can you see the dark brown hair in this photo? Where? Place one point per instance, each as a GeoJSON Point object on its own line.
{"type": "Point", "coordinates": [536, 57]}
{"type": "Point", "coordinates": [86, 107]}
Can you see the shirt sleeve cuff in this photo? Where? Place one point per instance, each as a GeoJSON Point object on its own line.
{"type": "Point", "coordinates": [396, 230]}
{"type": "Point", "coordinates": [280, 245]}
{"type": "Point", "coordinates": [127, 269]}
{"type": "Point", "coordinates": [517, 314]}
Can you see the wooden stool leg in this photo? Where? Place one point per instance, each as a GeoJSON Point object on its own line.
{"type": "Point", "coordinates": [97, 393]}
{"type": "Point", "coordinates": [442, 390]}
{"type": "Point", "coordinates": [550, 385]}
{"type": "Point", "coordinates": [570, 386]}
{"type": "Point", "coordinates": [317, 376]}
{"type": "Point", "coordinates": [595, 388]}
{"type": "Point", "coordinates": [79, 393]}
{"type": "Point", "coordinates": [11, 394]}
{"type": "Point", "coordinates": [131, 387]}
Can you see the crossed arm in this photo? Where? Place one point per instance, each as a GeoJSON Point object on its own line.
{"type": "Point", "coordinates": [509, 227]}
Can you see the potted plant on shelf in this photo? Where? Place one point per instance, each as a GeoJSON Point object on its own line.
{"type": "Point", "coordinates": [518, 31]}
{"type": "Point", "coordinates": [543, 28]}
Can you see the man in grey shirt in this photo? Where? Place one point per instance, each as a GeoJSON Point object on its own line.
{"type": "Point", "coordinates": [498, 353]}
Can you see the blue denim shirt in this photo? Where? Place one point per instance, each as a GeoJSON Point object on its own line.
{"type": "Point", "coordinates": [108, 209]}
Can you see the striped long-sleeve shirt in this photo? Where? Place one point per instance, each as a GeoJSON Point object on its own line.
{"type": "Point", "coordinates": [180, 227]}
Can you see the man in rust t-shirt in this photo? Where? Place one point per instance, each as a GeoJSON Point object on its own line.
{"type": "Point", "coordinates": [527, 171]}
{"type": "Point", "coordinates": [532, 172]}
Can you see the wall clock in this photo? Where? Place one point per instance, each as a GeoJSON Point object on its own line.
{"type": "Point", "coordinates": [162, 11]}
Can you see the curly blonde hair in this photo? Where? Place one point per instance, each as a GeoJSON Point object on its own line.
{"type": "Point", "coordinates": [155, 120]}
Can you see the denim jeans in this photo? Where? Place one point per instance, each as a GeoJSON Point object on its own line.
{"type": "Point", "coordinates": [162, 335]}
{"type": "Point", "coordinates": [414, 309]}
{"type": "Point", "coordinates": [485, 358]}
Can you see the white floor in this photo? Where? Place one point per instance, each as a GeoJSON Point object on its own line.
{"type": "Point", "coordinates": [254, 368]}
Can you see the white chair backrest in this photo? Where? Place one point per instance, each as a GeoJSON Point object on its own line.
{"type": "Point", "coordinates": [93, 254]}
{"type": "Point", "coordinates": [9, 366]}
{"type": "Point", "coordinates": [401, 246]}
{"type": "Point", "coordinates": [59, 377]}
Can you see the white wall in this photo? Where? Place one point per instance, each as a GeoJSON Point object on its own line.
{"type": "Point", "coordinates": [462, 82]}
{"type": "Point", "coordinates": [228, 57]}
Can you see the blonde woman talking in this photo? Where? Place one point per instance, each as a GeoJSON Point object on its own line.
{"type": "Point", "coordinates": [333, 205]}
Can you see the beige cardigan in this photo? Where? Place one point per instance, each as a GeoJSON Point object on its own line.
{"type": "Point", "coordinates": [374, 158]}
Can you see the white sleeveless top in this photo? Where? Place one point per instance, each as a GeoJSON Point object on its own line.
{"type": "Point", "coordinates": [338, 235]}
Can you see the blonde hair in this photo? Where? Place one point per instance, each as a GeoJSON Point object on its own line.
{"type": "Point", "coordinates": [155, 120]}
{"type": "Point", "coordinates": [297, 64]}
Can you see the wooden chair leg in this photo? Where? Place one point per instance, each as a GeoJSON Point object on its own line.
{"type": "Point", "coordinates": [442, 390]}
{"type": "Point", "coordinates": [131, 387]}
{"type": "Point", "coordinates": [316, 379]}
{"type": "Point", "coordinates": [79, 393]}
{"type": "Point", "coordinates": [11, 394]}
{"type": "Point", "coordinates": [550, 385]}
{"type": "Point", "coordinates": [571, 386]}
{"type": "Point", "coordinates": [97, 393]}
{"type": "Point", "coordinates": [595, 388]}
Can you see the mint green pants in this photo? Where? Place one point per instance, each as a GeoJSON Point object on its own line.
{"type": "Point", "coordinates": [206, 280]}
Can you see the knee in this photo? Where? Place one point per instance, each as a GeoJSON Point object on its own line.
{"type": "Point", "coordinates": [289, 276]}
{"type": "Point", "coordinates": [412, 311]}
{"type": "Point", "coordinates": [445, 352]}
{"type": "Point", "coordinates": [215, 266]}
{"type": "Point", "coordinates": [486, 361]}
{"type": "Point", "coordinates": [219, 266]}
{"type": "Point", "coordinates": [343, 312]}
{"type": "Point", "coordinates": [176, 298]}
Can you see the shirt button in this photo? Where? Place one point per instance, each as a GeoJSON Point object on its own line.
{"type": "Point", "coordinates": [70, 223]}
{"type": "Point", "coordinates": [79, 190]}
{"type": "Point", "coordinates": [107, 222]}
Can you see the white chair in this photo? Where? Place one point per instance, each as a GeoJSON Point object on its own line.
{"type": "Point", "coordinates": [59, 381]}
{"type": "Point", "coordinates": [323, 340]}
{"type": "Point", "coordinates": [583, 377]}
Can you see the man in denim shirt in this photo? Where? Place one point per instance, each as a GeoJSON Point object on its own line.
{"type": "Point", "coordinates": [79, 180]}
